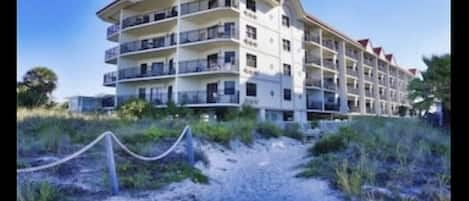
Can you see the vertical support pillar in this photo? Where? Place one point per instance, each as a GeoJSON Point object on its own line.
{"type": "Point", "coordinates": [189, 146]}
{"type": "Point", "coordinates": [111, 165]}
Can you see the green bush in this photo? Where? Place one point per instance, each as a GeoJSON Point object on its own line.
{"type": "Point", "coordinates": [328, 144]}
{"type": "Point", "coordinates": [247, 112]}
{"type": "Point", "coordinates": [155, 133]}
{"type": "Point", "coordinates": [293, 131]}
{"type": "Point", "coordinates": [314, 123]}
{"type": "Point", "coordinates": [216, 132]}
{"type": "Point", "coordinates": [39, 191]}
{"type": "Point", "coordinates": [269, 129]}
{"type": "Point", "coordinates": [135, 108]}
{"type": "Point", "coordinates": [243, 130]}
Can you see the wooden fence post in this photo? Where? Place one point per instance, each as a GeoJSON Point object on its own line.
{"type": "Point", "coordinates": [111, 166]}
{"type": "Point", "coordinates": [189, 146]}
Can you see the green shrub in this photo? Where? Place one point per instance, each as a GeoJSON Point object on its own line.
{"type": "Point", "coordinates": [293, 131]}
{"type": "Point", "coordinates": [314, 123]}
{"type": "Point", "coordinates": [328, 144]}
{"type": "Point", "coordinates": [155, 133]}
{"type": "Point", "coordinates": [216, 132]}
{"type": "Point", "coordinates": [247, 112]}
{"type": "Point", "coordinates": [349, 180]}
{"type": "Point", "coordinates": [243, 130]}
{"type": "Point", "coordinates": [269, 129]}
{"type": "Point", "coordinates": [39, 191]}
{"type": "Point", "coordinates": [135, 108]}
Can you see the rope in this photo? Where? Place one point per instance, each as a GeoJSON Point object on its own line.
{"type": "Point", "coordinates": [87, 147]}
{"type": "Point", "coordinates": [144, 158]}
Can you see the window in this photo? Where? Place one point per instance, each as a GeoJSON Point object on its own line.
{"type": "Point", "coordinates": [287, 69]}
{"type": "Point", "coordinates": [287, 94]}
{"type": "Point", "coordinates": [251, 60]}
{"type": "Point", "coordinates": [230, 57]}
{"type": "Point", "coordinates": [229, 87]}
{"type": "Point", "coordinates": [251, 5]}
{"type": "Point", "coordinates": [288, 116]}
{"type": "Point", "coordinates": [251, 89]}
{"type": "Point", "coordinates": [286, 45]}
{"type": "Point", "coordinates": [285, 21]}
{"type": "Point", "coordinates": [251, 32]}
{"type": "Point", "coordinates": [141, 93]}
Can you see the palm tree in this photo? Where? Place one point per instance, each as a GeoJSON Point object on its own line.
{"type": "Point", "coordinates": [36, 87]}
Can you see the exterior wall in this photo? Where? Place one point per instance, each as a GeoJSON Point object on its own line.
{"type": "Point", "coordinates": [269, 75]}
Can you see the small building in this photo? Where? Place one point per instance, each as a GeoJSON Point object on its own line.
{"type": "Point", "coordinates": [83, 104]}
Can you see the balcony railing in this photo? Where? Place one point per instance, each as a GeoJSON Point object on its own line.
{"type": "Point", "coordinates": [382, 96]}
{"type": "Point", "coordinates": [139, 72]}
{"type": "Point", "coordinates": [353, 90]}
{"type": "Point", "coordinates": [382, 81]}
{"type": "Point", "coordinates": [370, 110]}
{"type": "Point", "coordinates": [313, 105]}
{"type": "Point", "coordinates": [352, 72]}
{"type": "Point", "coordinates": [330, 85]}
{"type": "Point", "coordinates": [146, 44]}
{"type": "Point", "coordinates": [369, 93]}
{"type": "Point", "coordinates": [312, 38]}
{"type": "Point", "coordinates": [111, 53]}
{"type": "Point", "coordinates": [312, 60]}
{"type": "Point", "coordinates": [113, 29]}
{"type": "Point", "coordinates": [368, 78]}
{"type": "Point", "coordinates": [208, 65]}
{"type": "Point", "coordinates": [332, 106]}
{"type": "Point", "coordinates": [216, 32]}
{"type": "Point", "coordinates": [313, 82]}
{"type": "Point", "coordinates": [369, 62]}
{"type": "Point", "coordinates": [354, 109]}
{"type": "Point", "coordinates": [352, 54]}
{"type": "Point", "coordinates": [150, 17]}
{"type": "Point", "coordinates": [201, 97]}
{"type": "Point", "coordinates": [329, 64]}
{"type": "Point", "coordinates": [110, 78]}
{"type": "Point", "coordinates": [197, 6]}
{"type": "Point", "coordinates": [329, 44]}
{"type": "Point", "coordinates": [154, 99]}
{"type": "Point", "coordinates": [382, 68]}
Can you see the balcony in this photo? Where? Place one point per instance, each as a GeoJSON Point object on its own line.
{"type": "Point", "coordinates": [332, 106]}
{"type": "Point", "coordinates": [353, 90]}
{"type": "Point", "coordinates": [157, 70]}
{"type": "Point", "coordinates": [148, 44]}
{"type": "Point", "coordinates": [369, 62]}
{"type": "Point", "coordinates": [382, 82]}
{"type": "Point", "coordinates": [313, 82]}
{"type": "Point", "coordinates": [330, 85]}
{"type": "Point", "coordinates": [202, 97]}
{"type": "Point", "coordinates": [368, 78]}
{"type": "Point", "coordinates": [154, 16]}
{"type": "Point", "coordinates": [354, 109]}
{"type": "Point", "coordinates": [329, 44]}
{"type": "Point", "coordinates": [394, 85]}
{"type": "Point", "coordinates": [369, 93]}
{"type": "Point", "coordinates": [112, 32]}
{"type": "Point", "coordinates": [329, 63]}
{"type": "Point", "coordinates": [199, 6]}
{"type": "Point", "coordinates": [111, 55]}
{"type": "Point", "coordinates": [382, 67]}
{"type": "Point", "coordinates": [382, 96]}
{"type": "Point", "coordinates": [313, 105]}
{"type": "Point", "coordinates": [352, 72]}
{"type": "Point", "coordinates": [312, 60]}
{"type": "Point", "coordinates": [352, 54]}
{"type": "Point", "coordinates": [216, 65]}
{"type": "Point", "coordinates": [157, 99]}
{"type": "Point", "coordinates": [206, 34]}
{"type": "Point", "coordinates": [110, 79]}
{"type": "Point", "coordinates": [370, 110]}
{"type": "Point", "coordinates": [312, 38]}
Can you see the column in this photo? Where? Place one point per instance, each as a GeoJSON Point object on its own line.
{"type": "Point", "coordinates": [343, 81]}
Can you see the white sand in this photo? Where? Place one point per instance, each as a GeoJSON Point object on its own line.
{"type": "Point", "coordinates": [264, 172]}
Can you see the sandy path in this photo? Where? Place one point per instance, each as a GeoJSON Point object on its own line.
{"type": "Point", "coordinates": [263, 172]}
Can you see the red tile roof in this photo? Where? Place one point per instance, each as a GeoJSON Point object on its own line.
{"type": "Point", "coordinates": [377, 50]}
{"type": "Point", "coordinates": [389, 57]}
{"type": "Point", "coordinates": [413, 71]}
{"type": "Point", "coordinates": [364, 42]}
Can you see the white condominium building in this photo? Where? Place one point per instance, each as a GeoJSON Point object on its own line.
{"type": "Point", "coordinates": [270, 54]}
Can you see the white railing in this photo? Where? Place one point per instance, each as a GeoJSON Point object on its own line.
{"type": "Point", "coordinates": [109, 136]}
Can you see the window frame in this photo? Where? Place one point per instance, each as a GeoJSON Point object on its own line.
{"type": "Point", "coordinates": [251, 5]}
{"type": "Point", "coordinates": [251, 32]}
{"type": "Point", "coordinates": [286, 43]}
{"type": "Point", "coordinates": [249, 57]}
{"type": "Point", "coordinates": [287, 94]}
{"type": "Point", "coordinates": [230, 90]}
{"type": "Point", "coordinates": [286, 21]}
{"type": "Point", "coordinates": [287, 73]}
{"type": "Point", "coordinates": [249, 88]}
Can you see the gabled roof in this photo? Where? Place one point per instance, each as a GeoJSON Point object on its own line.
{"type": "Point", "coordinates": [366, 43]}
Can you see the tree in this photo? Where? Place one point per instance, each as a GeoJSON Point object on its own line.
{"type": "Point", "coordinates": [36, 87]}
{"type": "Point", "coordinates": [435, 86]}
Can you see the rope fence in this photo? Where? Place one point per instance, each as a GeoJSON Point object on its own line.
{"type": "Point", "coordinates": [109, 136]}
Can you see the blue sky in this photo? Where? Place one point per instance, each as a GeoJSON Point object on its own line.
{"type": "Point", "coordinates": [72, 41]}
